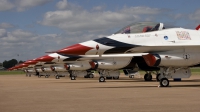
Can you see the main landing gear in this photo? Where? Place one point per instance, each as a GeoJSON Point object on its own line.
{"type": "Point", "coordinates": [102, 79]}
{"type": "Point", "coordinates": [148, 76]}
{"type": "Point", "coordinates": [158, 77]}
{"type": "Point", "coordinates": [164, 82]}
{"type": "Point", "coordinates": [73, 77]}
{"type": "Point", "coordinates": [170, 72]}
{"type": "Point", "coordinates": [46, 76]}
{"type": "Point", "coordinates": [109, 74]}
{"type": "Point", "coordinates": [28, 75]}
{"type": "Point", "coordinates": [57, 77]}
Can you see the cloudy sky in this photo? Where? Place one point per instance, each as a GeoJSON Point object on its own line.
{"type": "Point", "coordinates": [29, 28]}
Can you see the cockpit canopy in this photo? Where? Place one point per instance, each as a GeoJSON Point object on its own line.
{"type": "Point", "coordinates": [143, 27]}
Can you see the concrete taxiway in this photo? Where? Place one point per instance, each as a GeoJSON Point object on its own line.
{"type": "Point", "coordinates": [32, 94]}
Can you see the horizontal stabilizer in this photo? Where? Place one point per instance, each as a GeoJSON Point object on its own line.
{"type": "Point", "coordinates": [198, 27]}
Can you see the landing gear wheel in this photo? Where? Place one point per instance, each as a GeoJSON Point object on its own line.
{"type": "Point", "coordinates": [39, 76]}
{"type": "Point", "coordinates": [73, 78]}
{"type": "Point", "coordinates": [116, 77]}
{"type": "Point", "coordinates": [70, 75]}
{"type": "Point", "coordinates": [164, 82]}
{"type": "Point", "coordinates": [57, 77]}
{"type": "Point", "coordinates": [158, 77]}
{"type": "Point", "coordinates": [91, 76]}
{"type": "Point", "coordinates": [102, 79]}
{"type": "Point", "coordinates": [46, 76]}
{"type": "Point", "coordinates": [131, 76]}
{"type": "Point", "coordinates": [29, 75]}
{"type": "Point", "coordinates": [148, 77]}
{"type": "Point", "coordinates": [108, 77]}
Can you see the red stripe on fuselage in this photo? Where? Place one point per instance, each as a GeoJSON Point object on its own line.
{"type": "Point", "coordinates": [76, 49]}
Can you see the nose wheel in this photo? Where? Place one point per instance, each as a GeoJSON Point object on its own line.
{"type": "Point", "coordinates": [57, 77]}
{"type": "Point", "coordinates": [102, 79]}
{"type": "Point", "coordinates": [73, 77]}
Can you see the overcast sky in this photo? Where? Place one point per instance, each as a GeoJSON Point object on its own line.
{"type": "Point", "coordinates": [29, 28]}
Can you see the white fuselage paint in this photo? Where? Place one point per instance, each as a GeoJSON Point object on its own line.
{"type": "Point", "coordinates": [151, 41]}
{"type": "Point", "coordinates": [113, 63]}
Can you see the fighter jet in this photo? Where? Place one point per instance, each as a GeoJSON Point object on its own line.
{"type": "Point", "coordinates": [106, 65]}
{"type": "Point", "coordinates": [171, 49]}
{"type": "Point", "coordinates": [44, 69]}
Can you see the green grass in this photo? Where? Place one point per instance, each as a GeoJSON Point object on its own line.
{"type": "Point", "coordinates": [195, 69]}
{"type": "Point", "coordinates": [11, 72]}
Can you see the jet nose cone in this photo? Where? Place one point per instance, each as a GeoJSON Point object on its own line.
{"type": "Point", "coordinates": [21, 66]}
{"type": "Point", "coordinates": [45, 58]}
{"type": "Point", "coordinates": [76, 49]}
{"type": "Point", "coordinates": [10, 68]}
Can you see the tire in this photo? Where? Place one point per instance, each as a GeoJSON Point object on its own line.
{"type": "Point", "coordinates": [102, 79]}
{"type": "Point", "coordinates": [70, 75]}
{"type": "Point", "coordinates": [148, 77]}
{"type": "Point", "coordinates": [86, 76]}
{"type": "Point", "coordinates": [91, 76]}
{"type": "Point", "coordinates": [117, 77]}
{"type": "Point", "coordinates": [132, 76]}
{"type": "Point", "coordinates": [37, 73]}
{"type": "Point", "coordinates": [164, 82]}
{"type": "Point", "coordinates": [73, 78]}
{"type": "Point", "coordinates": [109, 77]}
{"type": "Point", "coordinates": [57, 77]}
{"type": "Point", "coordinates": [158, 77]}
{"type": "Point", "coordinates": [39, 76]}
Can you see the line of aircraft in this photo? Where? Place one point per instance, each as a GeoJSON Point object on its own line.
{"type": "Point", "coordinates": [152, 47]}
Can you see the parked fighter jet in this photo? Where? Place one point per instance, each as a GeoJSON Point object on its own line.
{"type": "Point", "coordinates": [172, 50]}
{"type": "Point", "coordinates": [106, 65]}
{"type": "Point", "coordinates": [45, 69]}
{"type": "Point", "coordinates": [79, 65]}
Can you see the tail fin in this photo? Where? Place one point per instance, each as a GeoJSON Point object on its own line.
{"type": "Point", "coordinates": [198, 27]}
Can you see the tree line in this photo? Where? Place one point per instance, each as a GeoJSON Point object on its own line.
{"type": "Point", "coordinates": [10, 63]}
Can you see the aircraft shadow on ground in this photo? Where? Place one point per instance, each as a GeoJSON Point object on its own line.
{"type": "Point", "coordinates": [123, 87]}
{"type": "Point", "coordinates": [95, 80]}
{"type": "Point", "coordinates": [75, 82]}
{"type": "Point", "coordinates": [149, 86]}
{"type": "Point", "coordinates": [154, 80]}
{"type": "Point", "coordinates": [193, 85]}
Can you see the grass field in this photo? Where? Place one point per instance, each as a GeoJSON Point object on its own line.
{"type": "Point", "coordinates": [195, 70]}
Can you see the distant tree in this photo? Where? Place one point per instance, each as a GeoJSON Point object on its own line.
{"type": "Point", "coordinates": [21, 61]}
{"type": "Point", "coordinates": [10, 63]}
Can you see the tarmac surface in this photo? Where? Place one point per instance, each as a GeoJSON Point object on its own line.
{"type": "Point", "coordinates": [19, 93]}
